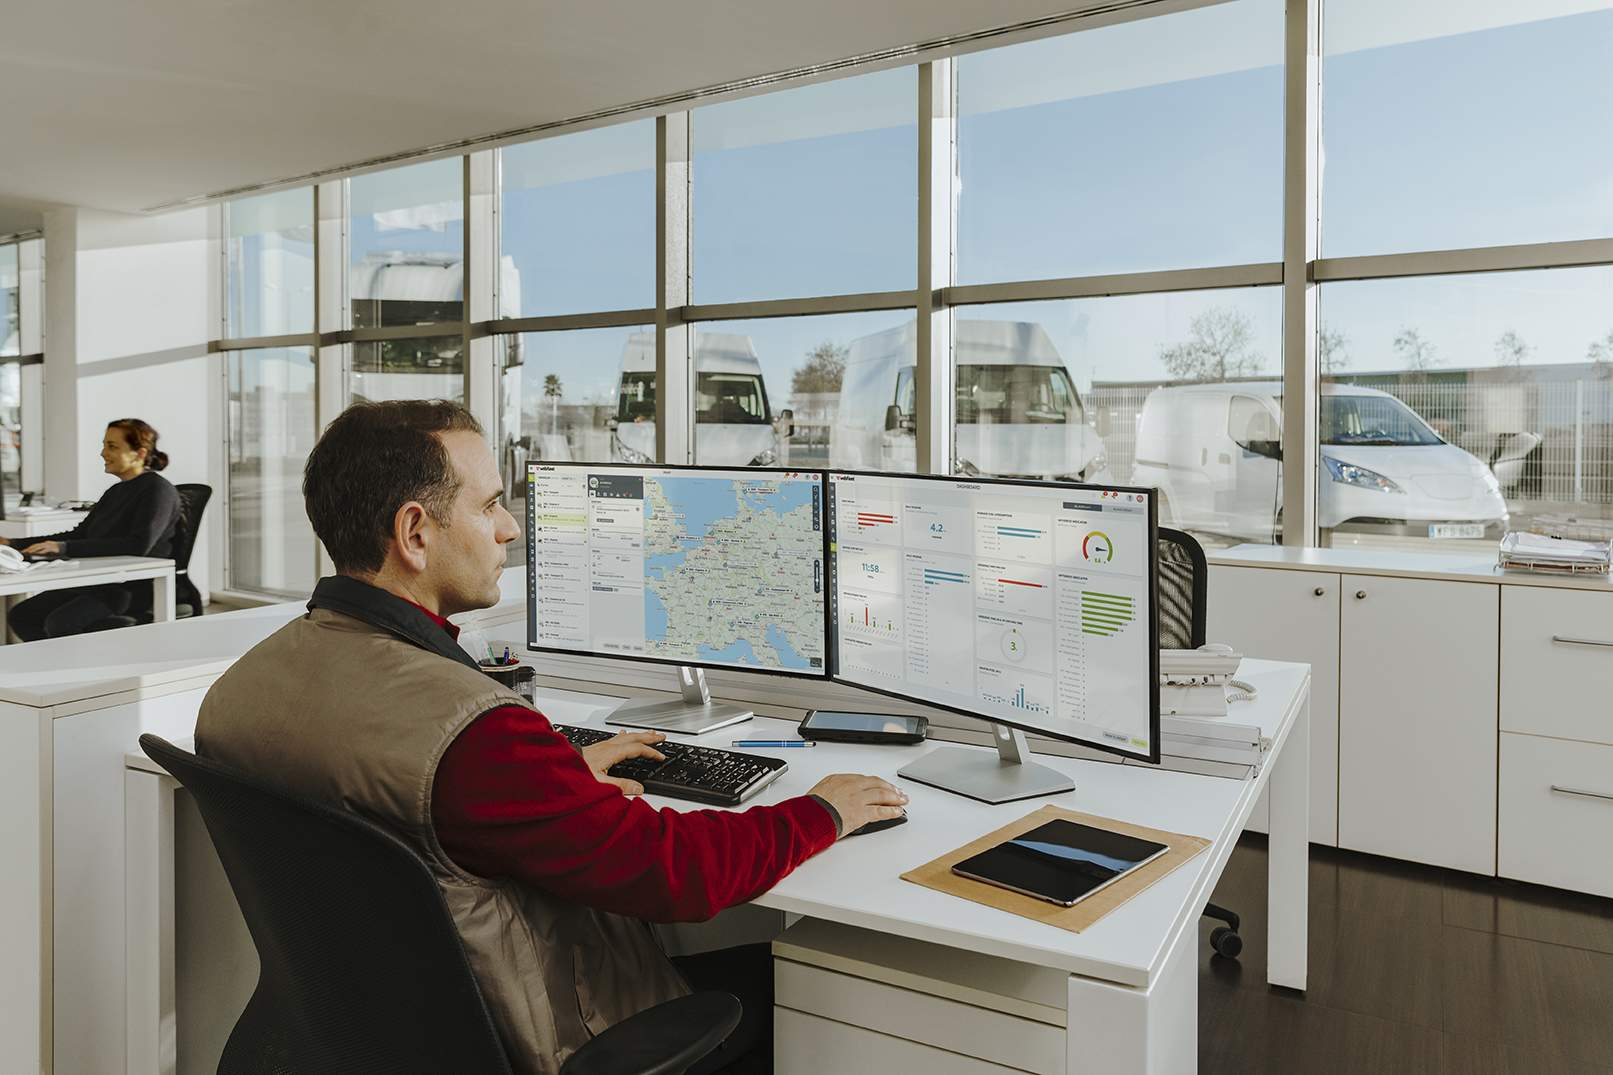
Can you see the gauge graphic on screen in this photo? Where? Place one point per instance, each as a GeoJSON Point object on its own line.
{"type": "Point", "coordinates": [1096, 547]}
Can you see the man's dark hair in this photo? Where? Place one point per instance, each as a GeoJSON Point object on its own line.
{"type": "Point", "coordinates": [373, 459]}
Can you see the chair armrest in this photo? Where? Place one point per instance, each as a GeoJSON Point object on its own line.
{"type": "Point", "coordinates": [663, 1040]}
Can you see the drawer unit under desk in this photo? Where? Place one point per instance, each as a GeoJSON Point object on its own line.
{"type": "Point", "coordinates": [1557, 663]}
{"type": "Point", "coordinates": [846, 992]}
{"type": "Point", "coordinates": [1556, 811]}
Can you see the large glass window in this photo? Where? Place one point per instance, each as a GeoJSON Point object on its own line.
{"type": "Point", "coordinates": [428, 367]}
{"type": "Point", "coordinates": [406, 245]}
{"type": "Point", "coordinates": [1458, 406]}
{"type": "Point", "coordinates": [805, 391]}
{"type": "Point", "coordinates": [577, 223]}
{"type": "Point", "coordinates": [1449, 124]}
{"type": "Point", "coordinates": [1149, 145]}
{"type": "Point", "coordinates": [271, 430]}
{"type": "Point", "coordinates": [10, 428]}
{"type": "Point", "coordinates": [1181, 391]}
{"type": "Point", "coordinates": [10, 301]}
{"type": "Point", "coordinates": [269, 264]}
{"type": "Point", "coordinates": [809, 191]}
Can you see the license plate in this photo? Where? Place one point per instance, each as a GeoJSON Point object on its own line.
{"type": "Point", "coordinates": [1455, 530]}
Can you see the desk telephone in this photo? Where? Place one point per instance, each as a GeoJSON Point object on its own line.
{"type": "Point", "coordinates": [12, 561]}
{"type": "Point", "coordinates": [1211, 665]}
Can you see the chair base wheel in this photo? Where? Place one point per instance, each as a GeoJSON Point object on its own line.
{"type": "Point", "coordinates": [1226, 942]}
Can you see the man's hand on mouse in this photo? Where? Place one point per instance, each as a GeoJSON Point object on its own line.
{"type": "Point", "coordinates": [618, 748]}
{"type": "Point", "coordinates": [860, 799]}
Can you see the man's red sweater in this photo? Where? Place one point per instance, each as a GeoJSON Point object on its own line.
{"type": "Point", "coordinates": [514, 799]}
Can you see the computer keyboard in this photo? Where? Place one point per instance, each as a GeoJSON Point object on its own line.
{"type": "Point", "coordinates": [699, 774]}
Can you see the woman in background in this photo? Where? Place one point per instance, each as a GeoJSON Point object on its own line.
{"type": "Point", "coordinates": [139, 516]}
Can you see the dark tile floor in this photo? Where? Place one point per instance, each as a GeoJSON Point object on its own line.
{"type": "Point", "coordinates": [1412, 969]}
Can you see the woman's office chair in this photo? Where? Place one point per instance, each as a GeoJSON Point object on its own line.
{"type": "Point", "coordinates": [362, 968]}
{"type": "Point", "coordinates": [193, 500]}
{"type": "Point", "coordinates": [1184, 577]}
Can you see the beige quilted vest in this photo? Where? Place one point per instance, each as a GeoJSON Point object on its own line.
{"type": "Point", "coordinates": [343, 712]}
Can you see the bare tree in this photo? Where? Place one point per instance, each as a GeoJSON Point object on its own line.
{"type": "Point", "coordinates": [1510, 350]}
{"type": "Point", "coordinates": [1220, 346]}
{"type": "Point", "coordinates": [1332, 351]}
{"type": "Point", "coordinates": [824, 368]}
{"type": "Point", "coordinates": [1414, 352]}
{"type": "Point", "coordinates": [1600, 351]}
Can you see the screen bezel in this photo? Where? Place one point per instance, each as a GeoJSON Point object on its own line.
{"type": "Point", "coordinates": [1152, 500]}
{"type": "Point", "coordinates": [824, 676]}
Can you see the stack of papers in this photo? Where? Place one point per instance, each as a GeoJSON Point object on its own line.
{"type": "Point", "coordinates": [1536, 552]}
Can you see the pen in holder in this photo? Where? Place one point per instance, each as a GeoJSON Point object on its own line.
{"type": "Point", "coordinates": [518, 677]}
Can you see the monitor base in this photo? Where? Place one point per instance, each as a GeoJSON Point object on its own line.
{"type": "Point", "coordinates": [677, 715]}
{"type": "Point", "coordinates": [976, 775]}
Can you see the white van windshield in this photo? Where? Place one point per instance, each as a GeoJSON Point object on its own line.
{"type": "Point", "coordinates": [730, 399]}
{"type": "Point", "coordinates": [1017, 395]}
{"type": "Point", "coordinates": [1373, 420]}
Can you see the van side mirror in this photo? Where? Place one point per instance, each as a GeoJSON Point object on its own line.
{"type": "Point", "coordinates": [785, 423]}
{"type": "Point", "coordinates": [1271, 449]}
{"type": "Point", "coordinates": [611, 423]}
{"type": "Point", "coordinates": [893, 418]}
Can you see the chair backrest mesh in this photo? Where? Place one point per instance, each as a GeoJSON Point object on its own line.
{"type": "Point", "coordinates": [1183, 589]}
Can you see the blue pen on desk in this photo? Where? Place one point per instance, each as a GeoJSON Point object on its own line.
{"type": "Point", "coordinates": [773, 743]}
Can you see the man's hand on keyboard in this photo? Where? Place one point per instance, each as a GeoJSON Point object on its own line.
{"type": "Point", "coordinates": [860, 799]}
{"type": "Point", "coordinates": [619, 748]}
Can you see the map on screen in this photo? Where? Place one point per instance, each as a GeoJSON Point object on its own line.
{"type": "Point", "coordinates": [720, 567]}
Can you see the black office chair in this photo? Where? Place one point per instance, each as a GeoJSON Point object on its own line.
{"type": "Point", "coordinates": [1184, 577]}
{"type": "Point", "coordinates": [362, 969]}
{"type": "Point", "coordinates": [193, 500]}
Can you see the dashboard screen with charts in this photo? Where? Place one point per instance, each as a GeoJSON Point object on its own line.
{"type": "Point", "coordinates": [1022, 603]}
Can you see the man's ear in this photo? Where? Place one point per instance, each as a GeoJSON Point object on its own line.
{"type": "Point", "coordinates": [409, 540]}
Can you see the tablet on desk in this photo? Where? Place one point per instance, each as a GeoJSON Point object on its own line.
{"type": "Point", "coordinates": [1062, 862]}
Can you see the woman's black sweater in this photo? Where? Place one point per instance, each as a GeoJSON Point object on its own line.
{"type": "Point", "coordinates": [138, 517]}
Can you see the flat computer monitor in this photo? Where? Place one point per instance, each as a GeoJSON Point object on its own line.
{"type": "Point", "coordinates": [696, 567]}
{"type": "Point", "coordinates": [1026, 604]}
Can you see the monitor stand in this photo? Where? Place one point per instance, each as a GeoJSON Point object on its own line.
{"type": "Point", "coordinates": [973, 773]}
{"type": "Point", "coordinates": [693, 714]}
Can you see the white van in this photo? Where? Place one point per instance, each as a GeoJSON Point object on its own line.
{"type": "Point", "coordinates": [1214, 451]}
{"type": "Point", "coordinates": [1017, 411]}
{"type": "Point", "coordinates": [734, 426]}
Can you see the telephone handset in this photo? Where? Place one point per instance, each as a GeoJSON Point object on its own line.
{"type": "Point", "coordinates": [12, 561]}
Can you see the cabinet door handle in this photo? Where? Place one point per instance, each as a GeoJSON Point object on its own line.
{"type": "Point", "coordinates": [1570, 641]}
{"type": "Point", "coordinates": [1320, 591]}
{"type": "Point", "coordinates": [1360, 595]}
{"type": "Point", "coordinates": [1582, 791]}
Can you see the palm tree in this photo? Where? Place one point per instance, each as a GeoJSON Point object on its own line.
{"type": "Point", "coordinates": [552, 392]}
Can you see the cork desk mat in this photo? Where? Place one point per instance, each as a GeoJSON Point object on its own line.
{"type": "Point", "coordinates": [937, 874]}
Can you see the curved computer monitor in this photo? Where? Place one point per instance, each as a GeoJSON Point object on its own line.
{"type": "Point", "coordinates": [1031, 605]}
{"type": "Point", "coordinates": [697, 567]}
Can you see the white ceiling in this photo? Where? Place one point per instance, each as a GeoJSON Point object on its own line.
{"type": "Point", "coordinates": [128, 106]}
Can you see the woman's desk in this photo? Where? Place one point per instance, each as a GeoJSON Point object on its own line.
{"type": "Point", "coordinates": [1128, 985]}
{"type": "Point", "coordinates": [22, 523]}
{"type": "Point", "coordinates": [93, 571]}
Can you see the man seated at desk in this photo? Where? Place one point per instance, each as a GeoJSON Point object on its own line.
{"type": "Point", "coordinates": [139, 516]}
{"type": "Point", "coordinates": [549, 866]}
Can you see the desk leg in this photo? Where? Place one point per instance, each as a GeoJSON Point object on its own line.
{"type": "Point", "coordinates": [148, 876]}
{"type": "Point", "coordinates": [1288, 857]}
{"type": "Point", "coordinates": [1115, 1030]}
{"type": "Point", "coordinates": [162, 598]}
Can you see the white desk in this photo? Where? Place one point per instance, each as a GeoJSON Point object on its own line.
{"type": "Point", "coordinates": [70, 709]}
{"type": "Point", "coordinates": [20, 523]}
{"type": "Point", "coordinates": [1130, 981]}
{"type": "Point", "coordinates": [93, 571]}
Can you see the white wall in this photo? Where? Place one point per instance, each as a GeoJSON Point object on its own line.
{"type": "Point", "coordinates": [144, 302]}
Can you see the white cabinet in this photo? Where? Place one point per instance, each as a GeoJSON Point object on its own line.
{"type": "Point", "coordinates": [1289, 616]}
{"type": "Point", "coordinates": [1556, 812]}
{"type": "Point", "coordinates": [1418, 672]}
{"type": "Point", "coordinates": [1557, 663]}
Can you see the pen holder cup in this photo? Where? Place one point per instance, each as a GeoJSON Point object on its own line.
{"type": "Point", "coordinates": [518, 677]}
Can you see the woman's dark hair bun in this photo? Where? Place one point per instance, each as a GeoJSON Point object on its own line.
{"type": "Point", "coordinates": [158, 461]}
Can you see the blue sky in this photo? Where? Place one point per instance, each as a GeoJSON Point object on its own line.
{"type": "Point", "coordinates": [1078, 157]}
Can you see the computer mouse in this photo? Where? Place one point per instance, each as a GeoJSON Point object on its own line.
{"type": "Point", "coordinates": [883, 823]}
